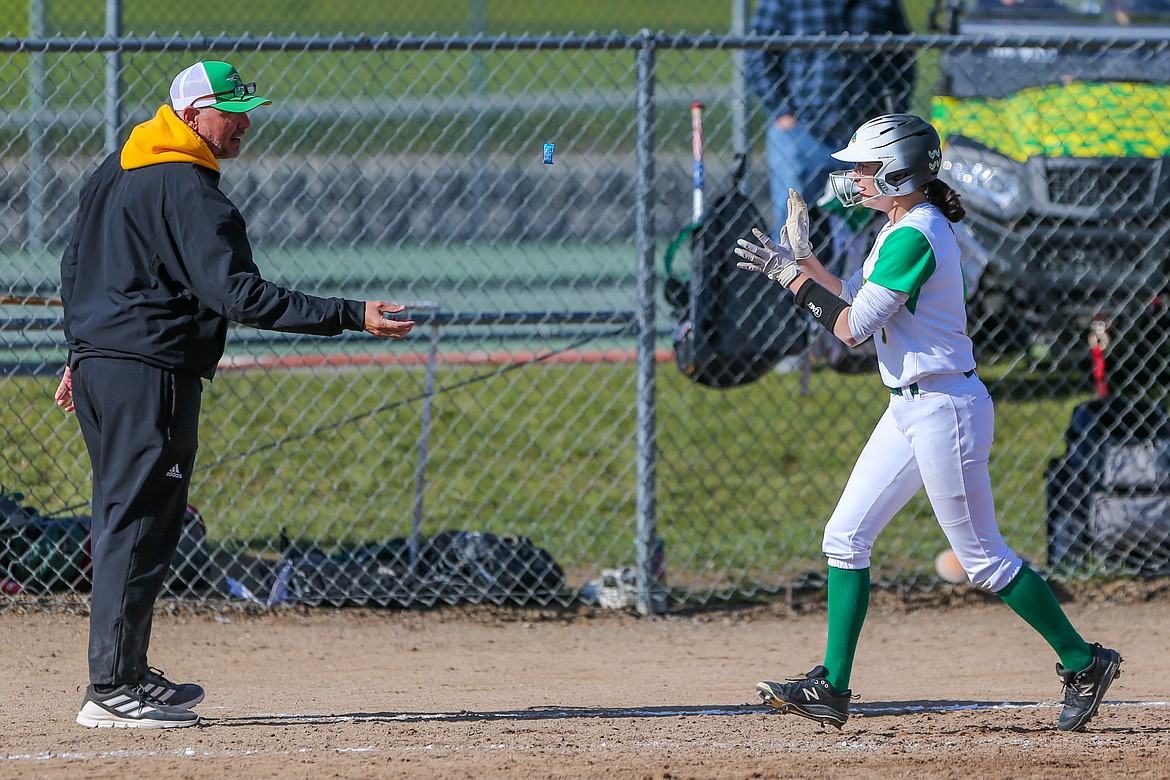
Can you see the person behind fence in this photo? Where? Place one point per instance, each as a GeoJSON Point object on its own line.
{"type": "Point", "coordinates": [801, 89]}
{"type": "Point", "coordinates": [158, 264]}
{"type": "Point", "coordinates": [937, 429]}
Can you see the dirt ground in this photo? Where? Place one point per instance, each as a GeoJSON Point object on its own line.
{"type": "Point", "coordinates": [955, 687]}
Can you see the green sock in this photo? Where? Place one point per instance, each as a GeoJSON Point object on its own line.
{"type": "Point", "coordinates": [848, 602]}
{"type": "Point", "coordinates": [1031, 598]}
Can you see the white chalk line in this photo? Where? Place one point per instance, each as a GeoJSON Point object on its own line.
{"type": "Point", "coordinates": [554, 713]}
{"type": "Point", "coordinates": [548, 714]}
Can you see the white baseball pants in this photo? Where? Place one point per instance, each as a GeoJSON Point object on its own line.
{"type": "Point", "coordinates": [939, 438]}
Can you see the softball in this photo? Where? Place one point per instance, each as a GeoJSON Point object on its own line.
{"type": "Point", "coordinates": [948, 567]}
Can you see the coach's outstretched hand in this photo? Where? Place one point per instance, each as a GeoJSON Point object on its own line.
{"type": "Point", "coordinates": [773, 260]}
{"type": "Point", "coordinates": [796, 227]}
{"type": "Point", "coordinates": [381, 322]}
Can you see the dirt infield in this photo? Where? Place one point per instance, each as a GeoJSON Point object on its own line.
{"type": "Point", "coordinates": [963, 690]}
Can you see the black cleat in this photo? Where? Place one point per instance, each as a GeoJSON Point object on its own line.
{"type": "Point", "coordinates": [1084, 690]}
{"type": "Point", "coordinates": [810, 697]}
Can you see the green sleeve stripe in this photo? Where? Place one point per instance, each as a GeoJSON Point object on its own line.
{"type": "Point", "coordinates": [904, 262]}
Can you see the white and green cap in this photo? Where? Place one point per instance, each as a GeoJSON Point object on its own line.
{"type": "Point", "coordinates": [214, 84]}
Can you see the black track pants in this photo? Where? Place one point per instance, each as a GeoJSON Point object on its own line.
{"type": "Point", "coordinates": [141, 427]}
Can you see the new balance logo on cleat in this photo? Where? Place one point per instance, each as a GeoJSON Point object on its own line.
{"type": "Point", "coordinates": [810, 696]}
{"type": "Point", "coordinates": [174, 472]}
{"type": "Point", "coordinates": [1084, 690]}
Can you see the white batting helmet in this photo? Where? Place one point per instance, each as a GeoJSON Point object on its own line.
{"type": "Point", "coordinates": [908, 148]}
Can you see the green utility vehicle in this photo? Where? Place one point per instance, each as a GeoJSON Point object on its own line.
{"type": "Point", "coordinates": [1056, 132]}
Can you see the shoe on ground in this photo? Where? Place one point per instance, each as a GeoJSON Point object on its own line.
{"type": "Point", "coordinates": [810, 696]}
{"type": "Point", "coordinates": [1084, 690]}
{"type": "Point", "coordinates": [128, 707]}
{"type": "Point", "coordinates": [181, 695]}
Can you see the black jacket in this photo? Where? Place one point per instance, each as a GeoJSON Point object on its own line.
{"type": "Point", "coordinates": [159, 262]}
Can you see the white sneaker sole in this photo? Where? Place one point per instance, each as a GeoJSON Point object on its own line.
{"type": "Point", "coordinates": [94, 717]}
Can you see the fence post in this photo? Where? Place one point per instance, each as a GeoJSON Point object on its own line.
{"type": "Point", "coordinates": [477, 77]}
{"type": "Point", "coordinates": [424, 441]}
{"type": "Point", "coordinates": [113, 76]}
{"type": "Point", "coordinates": [38, 176]}
{"type": "Point", "coordinates": [739, 88]}
{"type": "Point", "coordinates": [650, 600]}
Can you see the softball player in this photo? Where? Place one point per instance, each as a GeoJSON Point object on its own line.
{"type": "Point", "coordinates": [938, 429]}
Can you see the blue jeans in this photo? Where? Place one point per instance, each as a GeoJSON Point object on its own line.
{"type": "Point", "coordinates": [798, 160]}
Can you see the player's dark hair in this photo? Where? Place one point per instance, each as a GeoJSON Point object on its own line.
{"type": "Point", "coordinates": [940, 195]}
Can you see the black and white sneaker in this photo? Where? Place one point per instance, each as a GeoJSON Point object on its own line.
{"type": "Point", "coordinates": [810, 696]}
{"type": "Point", "coordinates": [1084, 690]}
{"type": "Point", "coordinates": [173, 694]}
{"type": "Point", "coordinates": [128, 707]}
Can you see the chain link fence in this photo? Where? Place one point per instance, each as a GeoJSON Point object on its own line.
{"type": "Point", "coordinates": [533, 439]}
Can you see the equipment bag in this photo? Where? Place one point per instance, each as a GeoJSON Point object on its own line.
{"type": "Point", "coordinates": [476, 566]}
{"type": "Point", "coordinates": [47, 554]}
{"type": "Point", "coordinates": [733, 326]}
{"type": "Point", "coordinates": [1131, 533]}
{"type": "Point", "coordinates": [316, 578]}
{"type": "Point", "coordinates": [453, 567]}
{"type": "Point", "coordinates": [40, 554]}
{"type": "Point", "coordinates": [1109, 495]}
{"type": "Point", "coordinates": [1143, 466]}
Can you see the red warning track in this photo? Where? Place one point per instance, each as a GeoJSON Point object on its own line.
{"type": "Point", "coordinates": [479, 357]}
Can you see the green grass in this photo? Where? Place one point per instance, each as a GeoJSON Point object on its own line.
{"type": "Point", "coordinates": [420, 17]}
{"type": "Point", "coordinates": [746, 477]}
{"type": "Point", "coordinates": [284, 76]}
{"type": "Point", "coordinates": [751, 475]}
{"type": "Point", "coordinates": [395, 17]}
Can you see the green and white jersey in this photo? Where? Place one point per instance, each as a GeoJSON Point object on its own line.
{"type": "Point", "coordinates": [919, 256]}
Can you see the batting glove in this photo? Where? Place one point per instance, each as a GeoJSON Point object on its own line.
{"type": "Point", "coordinates": [796, 227]}
{"type": "Point", "coordinates": [773, 260]}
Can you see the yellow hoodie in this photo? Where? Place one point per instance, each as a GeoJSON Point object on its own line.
{"type": "Point", "coordinates": [165, 138]}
